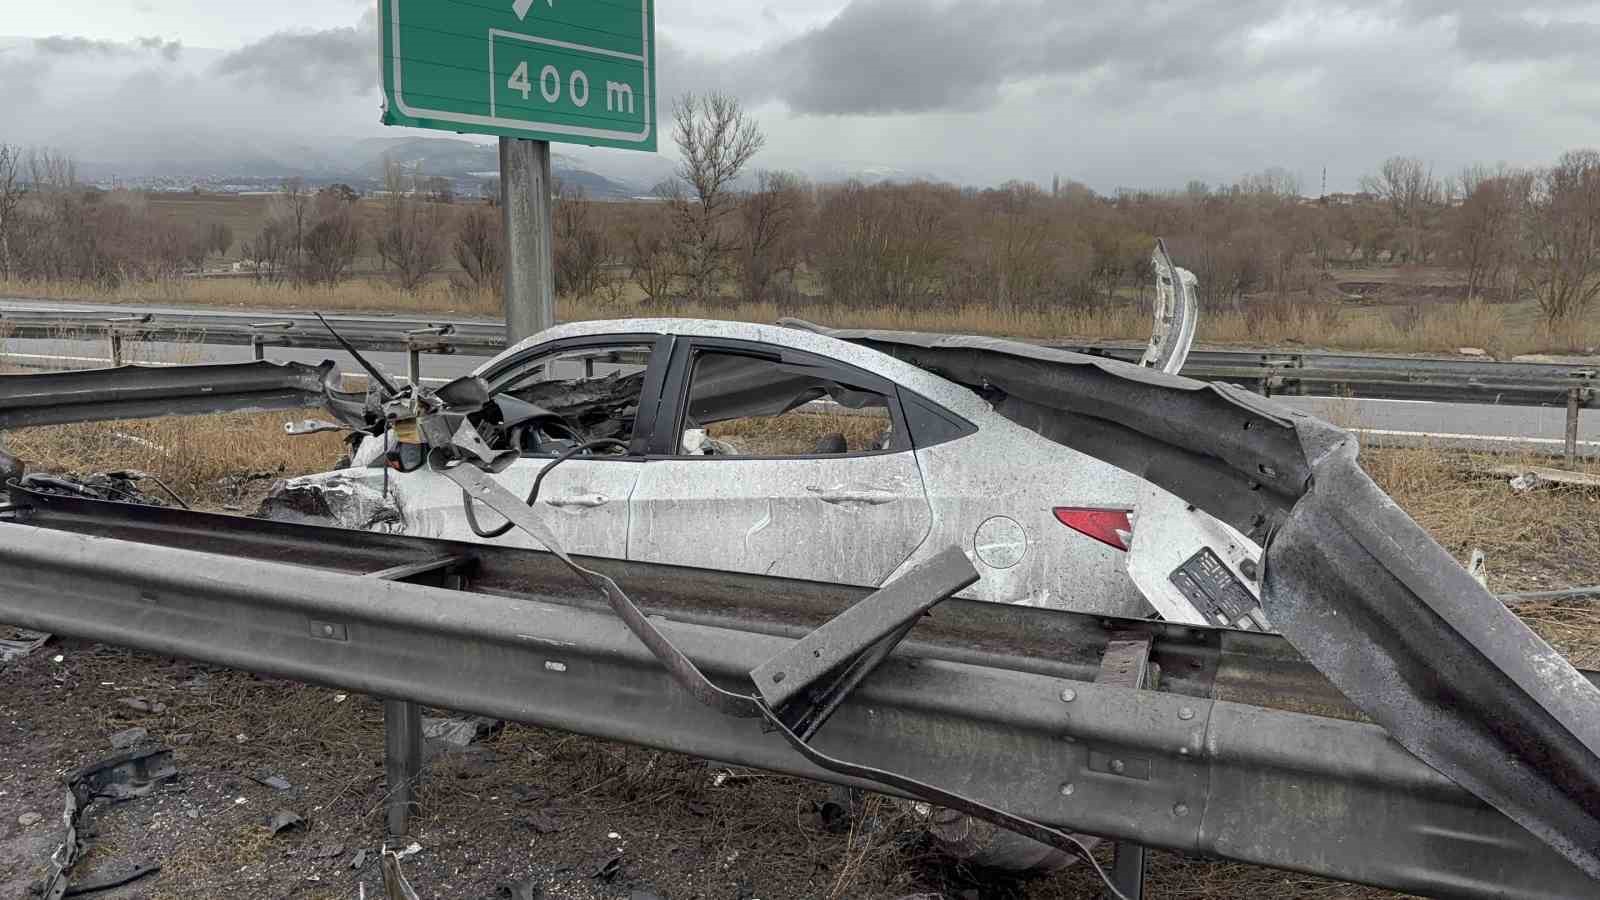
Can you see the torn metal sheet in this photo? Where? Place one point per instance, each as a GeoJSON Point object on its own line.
{"type": "Point", "coordinates": [345, 499]}
{"type": "Point", "coordinates": [1176, 314]}
{"type": "Point", "coordinates": [16, 643]}
{"type": "Point", "coordinates": [1357, 586]}
{"type": "Point", "coordinates": [125, 776]}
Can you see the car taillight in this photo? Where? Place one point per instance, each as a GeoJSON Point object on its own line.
{"type": "Point", "coordinates": [1108, 526]}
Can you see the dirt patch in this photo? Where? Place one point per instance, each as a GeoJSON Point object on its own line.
{"type": "Point", "coordinates": [578, 817]}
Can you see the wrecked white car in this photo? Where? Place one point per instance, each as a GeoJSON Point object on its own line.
{"type": "Point", "coordinates": [783, 451]}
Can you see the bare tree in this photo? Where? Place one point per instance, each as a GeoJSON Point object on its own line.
{"type": "Point", "coordinates": [295, 198]}
{"type": "Point", "coordinates": [411, 232]}
{"type": "Point", "coordinates": [1484, 227]}
{"type": "Point", "coordinates": [1406, 185]}
{"type": "Point", "coordinates": [772, 216]}
{"type": "Point", "coordinates": [715, 142]}
{"type": "Point", "coordinates": [478, 246]}
{"type": "Point", "coordinates": [1563, 237]}
{"type": "Point", "coordinates": [10, 199]}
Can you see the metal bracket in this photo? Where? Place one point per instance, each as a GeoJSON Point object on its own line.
{"type": "Point", "coordinates": [1126, 665]}
{"type": "Point", "coordinates": [877, 616]}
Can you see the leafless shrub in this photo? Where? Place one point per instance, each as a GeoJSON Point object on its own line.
{"type": "Point", "coordinates": [650, 259]}
{"type": "Point", "coordinates": [332, 240]}
{"type": "Point", "coordinates": [479, 246]}
{"type": "Point", "coordinates": [410, 233]}
{"type": "Point", "coordinates": [581, 248]}
{"type": "Point", "coordinates": [771, 217]}
{"type": "Point", "coordinates": [1406, 319]}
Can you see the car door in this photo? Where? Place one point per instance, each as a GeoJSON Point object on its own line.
{"type": "Point", "coordinates": [601, 388]}
{"type": "Point", "coordinates": [778, 462]}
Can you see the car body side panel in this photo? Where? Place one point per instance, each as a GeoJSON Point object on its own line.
{"type": "Point", "coordinates": [585, 501]}
{"type": "Point", "coordinates": [849, 520]}
{"type": "Point", "coordinates": [1007, 472]}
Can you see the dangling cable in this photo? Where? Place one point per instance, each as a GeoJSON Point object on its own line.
{"type": "Point", "coordinates": [533, 492]}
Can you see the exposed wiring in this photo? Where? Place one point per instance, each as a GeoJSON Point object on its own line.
{"type": "Point", "coordinates": [533, 492]}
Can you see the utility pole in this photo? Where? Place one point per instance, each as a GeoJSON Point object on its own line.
{"type": "Point", "coordinates": [525, 210]}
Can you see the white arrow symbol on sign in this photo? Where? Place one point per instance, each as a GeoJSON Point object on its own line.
{"type": "Point", "coordinates": [521, 7]}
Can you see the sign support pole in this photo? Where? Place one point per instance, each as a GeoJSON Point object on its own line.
{"type": "Point", "coordinates": [526, 214]}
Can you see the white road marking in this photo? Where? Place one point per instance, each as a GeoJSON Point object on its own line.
{"type": "Point", "coordinates": [1457, 436]}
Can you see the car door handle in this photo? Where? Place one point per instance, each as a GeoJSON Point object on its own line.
{"type": "Point", "coordinates": [578, 500]}
{"type": "Point", "coordinates": [869, 496]}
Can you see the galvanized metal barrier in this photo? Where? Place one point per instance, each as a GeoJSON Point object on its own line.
{"type": "Point", "coordinates": [1234, 747]}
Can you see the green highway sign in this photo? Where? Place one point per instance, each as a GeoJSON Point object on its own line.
{"type": "Point", "coordinates": [574, 71]}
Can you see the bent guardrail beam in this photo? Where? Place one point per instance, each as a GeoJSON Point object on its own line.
{"type": "Point", "coordinates": [1255, 784]}
{"type": "Point", "coordinates": [1348, 578]}
{"type": "Point", "coordinates": [138, 392]}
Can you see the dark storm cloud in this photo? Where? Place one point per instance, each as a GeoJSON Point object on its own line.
{"type": "Point", "coordinates": [910, 56]}
{"type": "Point", "coordinates": [309, 62]}
{"type": "Point", "coordinates": [885, 57]}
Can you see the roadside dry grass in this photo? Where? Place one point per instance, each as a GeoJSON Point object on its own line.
{"type": "Point", "coordinates": [210, 461]}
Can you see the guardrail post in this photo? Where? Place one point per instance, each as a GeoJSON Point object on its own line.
{"type": "Point", "coordinates": [258, 350]}
{"type": "Point", "coordinates": [413, 363]}
{"type": "Point", "coordinates": [115, 338]}
{"type": "Point", "coordinates": [402, 763]}
{"type": "Point", "coordinates": [1574, 397]}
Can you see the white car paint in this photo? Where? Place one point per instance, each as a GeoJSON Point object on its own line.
{"type": "Point", "coordinates": [887, 511]}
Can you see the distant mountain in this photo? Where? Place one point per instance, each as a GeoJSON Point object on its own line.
{"type": "Point", "coordinates": [358, 162]}
{"type": "Point", "coordinates": [461, 159]}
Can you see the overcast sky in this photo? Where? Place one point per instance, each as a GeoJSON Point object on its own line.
{"type": "Point", "coordinates": [1147, 93]}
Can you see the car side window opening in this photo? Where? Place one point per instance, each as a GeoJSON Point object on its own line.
{"type": "Point", "coordinates": [743, 404]}
{"type": "Point", "coordinates": [568, 398]}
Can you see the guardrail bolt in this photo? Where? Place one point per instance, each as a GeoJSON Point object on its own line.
{"type": "Point", "coordinates": [1118, 766]}
{"type": "Point", "coordinates": [1181, 810]}
{"type": "Point", "coordinates": [1067, 789]}
{"type": "Point", "coordinates": [1186, 714]}
{"type": "Point", "coordinates": [1068, 695]}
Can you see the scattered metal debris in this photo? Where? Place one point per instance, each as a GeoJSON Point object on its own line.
{"type": "Point", "coordinates": [456, 733]}
{"type": "Point", "coordinates": [121, 777]}
{"type": "Point", "coordinates": [1591, 594]}
{"type": "Point", "coordinates": [395, 885]}
{"type": "Point", "coordinates": [19, 642]}
{"type": "Point", "coordinates": [311, 426]}
{"type": "Point", "coordinates": [1528, 478]}
{"type": "Point", "coordinates": [1477, 567]}
{"type": "Point", "coordinates": [129, 737]}
{"type": "Point", "coordinates": [284, 819]}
